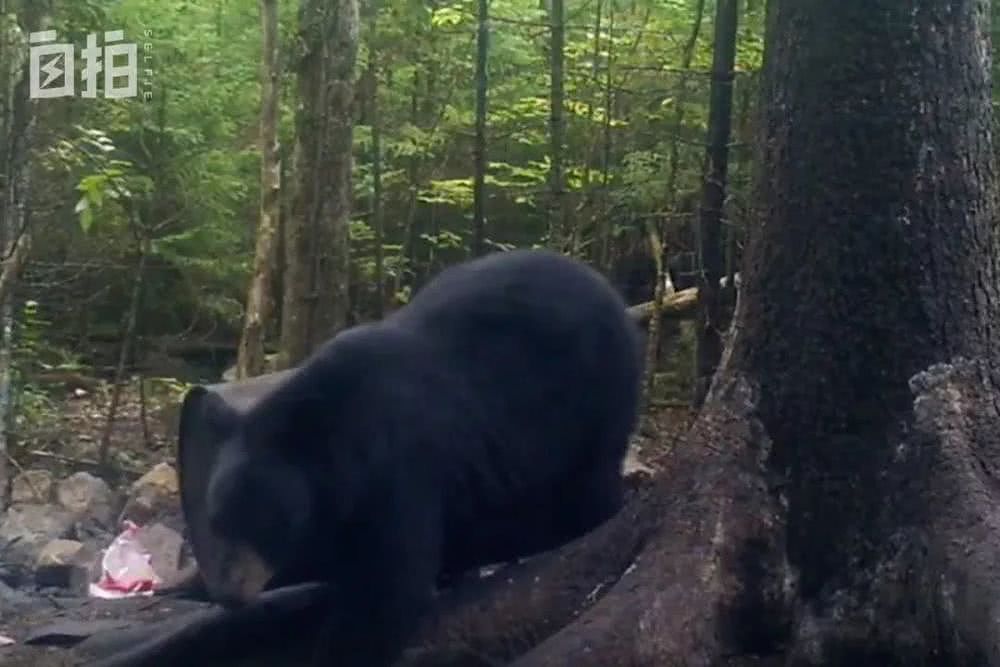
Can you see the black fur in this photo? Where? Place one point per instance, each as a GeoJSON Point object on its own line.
{"type": "Point", "coordinates": [485, 421]}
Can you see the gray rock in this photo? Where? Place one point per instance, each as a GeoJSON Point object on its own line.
{"type": "Point", "coordinates": [153, 496]}
{"type": "Point", "coordinates": [85, 495]}
{"type": "Point", "coordinates": [32, 486]}
{"type": "Point", "coordinates": [165, 546]}
{"type": "Point", "coordinates": [66, 564]}
{"type": "Point", "coordinates": [27, 527]}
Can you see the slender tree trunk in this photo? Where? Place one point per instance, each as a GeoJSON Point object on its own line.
{"type": "Point", "coordinates": [8, 400]}
{"type": "Point", "coordinates": [588, 200]}
{"type": "Point", "coordinates": [558, 232]}
{"type": "Point", "coordinates": [410, 242]}
{"type": "Point", "coordinates": [653, 233]}
{"type": "Point", "coordinates": [316, 237]}
{"type": "Point", "coordinates": [713, 197]}
{"type": "Point", "coordinates": [604, 251]}
{"type": "Point", "coordinates": [17, 130]}
{"type": "Point", "coordinates": [479, 149]}
{"type": "Point", "coordinates": [741, 208]}
{"type": "Point", "coordinates": [250, 357]}
{"type": "Point", "coordinates": [378, 222]}
{"type": "Point", "coordinates": [655, 319]}
{"type": "Point", "coordinates": [147, 440]}
{"type": "Point", "coordinates": [128, 344]}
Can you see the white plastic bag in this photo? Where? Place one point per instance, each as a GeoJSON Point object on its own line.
{"type": "Point", "coordinates": [125, 569]}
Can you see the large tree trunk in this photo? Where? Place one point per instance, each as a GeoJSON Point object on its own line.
{"type": "Point", "coordinates": [250, 360]}
{"type": "Point", "coordinates": [836, 502]}
{"type": "Point", "coordinates": [315, 300]}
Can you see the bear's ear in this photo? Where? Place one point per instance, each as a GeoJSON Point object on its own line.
{"type": "Point", "coordinates": [303, 405]}
{"type": "Point", "coordinates": [206, 411]}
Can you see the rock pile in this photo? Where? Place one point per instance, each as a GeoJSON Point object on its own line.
{"type": "Point", "coordinates": [55, 531]}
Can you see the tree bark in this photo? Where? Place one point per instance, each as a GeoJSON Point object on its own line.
{"type": "Point", "coordinates": [315, 299]}
{"type": "Point", "coordinates": [409, 247]}
{"type": "Point", "coordinates": [558, 232]}
{"type": "Point", "coordinates": [13, 263]}
{"type": "Point", "coordinates": [713, 197]}
{"type": "Point", "coordinates": [128, 343]}
{"type": "Point", "coordinates": [604, 234]}
{"type": "Point", "coordinates": [250, 359]}
{"type": "Point", "coordinates": [479, 146]}
{"type": "Point", "coordinates": [587, 204]}
{"type": "Point", "coordinates": [17, 131]}
{"type": "Point", "coordinates": [739, 211]}
{"type": "Point", "coordinates": [378, 222]}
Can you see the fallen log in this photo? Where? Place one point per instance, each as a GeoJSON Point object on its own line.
{"type": "Point", "coordinates": [678, 305]}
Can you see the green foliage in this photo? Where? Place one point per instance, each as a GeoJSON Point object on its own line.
{"type": "Point", "coordinates": [181, 170]}
{"type": "Point", "coordinates": [33, 404]}
{"type": "Point", "coordinates": [444, 240]}
{"type": "Point", "coordinates": [32, 327]}
{"type": "Point", "coordinates": [167, 390]}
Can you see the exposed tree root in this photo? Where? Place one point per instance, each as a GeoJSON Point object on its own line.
{"type": "Point", "coordinates": [714, 586]}
{"type": "Point", "coordinates": [708, 585]}
{"type": "Point", "coordinates": [502, 616]}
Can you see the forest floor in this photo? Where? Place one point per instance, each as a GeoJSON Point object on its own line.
{"type": "Point", "coordinates": [61, 429]}
{"type": "Point", "coordinates": [65, 439]}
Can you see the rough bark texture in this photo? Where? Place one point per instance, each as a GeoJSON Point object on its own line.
{"type": "Point", "coordinates": [250, 360]}
{"type": "Point", "coordinates": [316, 242]}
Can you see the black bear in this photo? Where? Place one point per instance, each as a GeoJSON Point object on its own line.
{"type": "Point", "coordinates": [485, 421]}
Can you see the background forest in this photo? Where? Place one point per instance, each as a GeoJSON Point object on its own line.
{"type": "Point", "coordinates": [143, 213]}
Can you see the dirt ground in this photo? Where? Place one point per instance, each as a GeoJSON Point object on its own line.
{"type": "Point", "coordinates": [62, 429]}
{"type": "Point", "coordinates": [74, 616]}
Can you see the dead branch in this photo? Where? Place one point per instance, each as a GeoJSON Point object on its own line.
{"type": "Point", "coordinates": [678, 305]}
